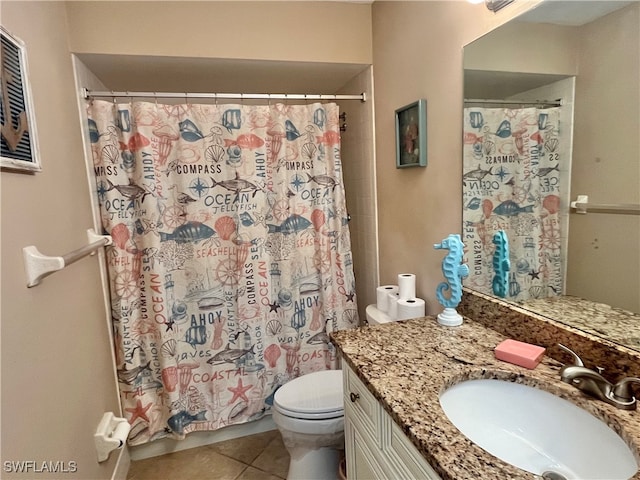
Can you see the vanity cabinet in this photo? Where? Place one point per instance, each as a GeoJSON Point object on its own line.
{"type": "Point", "coordinates": [376, 448]}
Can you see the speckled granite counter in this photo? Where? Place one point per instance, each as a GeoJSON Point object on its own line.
{"type": "Point", "coordinates": [406, 365]}
{"type": "Point", "coordinates": [527, 326]}
{"type": "Point", "coordinates": [616, 324]}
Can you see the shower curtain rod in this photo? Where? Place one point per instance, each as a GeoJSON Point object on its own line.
{"type": "Point", "coordinates": [86, 93]}
{"type": "Point", "coordinates": [555, 103]}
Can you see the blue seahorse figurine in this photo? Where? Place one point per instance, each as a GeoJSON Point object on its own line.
{"type": "Point", "coordinates": [501, 264]}
{"type": "Point", "coordinates": [454, 271]}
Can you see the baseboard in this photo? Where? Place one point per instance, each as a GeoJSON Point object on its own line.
{"type": "Point", "coordinates": [198, 439]}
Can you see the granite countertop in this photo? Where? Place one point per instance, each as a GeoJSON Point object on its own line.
{"type": "Point", "coordinates": [406, 365]}
{"type": "Point", "coordinates": [616, 324]}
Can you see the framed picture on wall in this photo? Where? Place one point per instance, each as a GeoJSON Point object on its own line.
{"type": "Point", "coordinates": [18, 140]}
{"type": "Point", "coordinates": [411, 135]}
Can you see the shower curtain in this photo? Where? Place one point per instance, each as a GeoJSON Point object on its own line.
{"type": "Point", "coordinates": [511, 181]}
{"type": "Point", "coordinates": [231, 260]}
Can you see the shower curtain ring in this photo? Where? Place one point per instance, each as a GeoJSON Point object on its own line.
{"type": "Point", "coordinates": [114, 97]}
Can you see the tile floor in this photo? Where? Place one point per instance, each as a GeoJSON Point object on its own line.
{"type": "Point", "coordinates": [256, 457]}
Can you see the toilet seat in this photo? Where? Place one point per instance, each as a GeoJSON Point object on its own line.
{"type": "Point", "coordinates": [315, 396]}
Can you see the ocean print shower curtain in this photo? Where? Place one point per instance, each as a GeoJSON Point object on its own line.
{"type": "Point", "coordinates": [511, 182]}
{"type": "Point", "coordinates": [231, 260]}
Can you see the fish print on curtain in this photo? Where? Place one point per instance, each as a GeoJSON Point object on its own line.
{"type": "Point", "coordinates": [511, 182]}
{"type": "Point", "coordinates": [231, 260]}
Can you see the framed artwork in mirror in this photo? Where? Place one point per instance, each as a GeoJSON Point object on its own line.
{"type": "Point", "coordinates": [411, 135]}
{"type": "Point", "coordinates": [18, 141]}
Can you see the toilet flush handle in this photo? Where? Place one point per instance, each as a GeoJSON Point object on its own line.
{"type": "Point", "coordinates": [354, 396]}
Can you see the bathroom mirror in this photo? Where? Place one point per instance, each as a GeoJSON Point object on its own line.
{"type": "Point", "coordinates": [552, 112]}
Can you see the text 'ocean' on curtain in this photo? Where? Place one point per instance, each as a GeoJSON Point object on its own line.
{"type": "Point", "coordinates": [512, 162]}
{"type": "Point", "coordinates": [231, 260]}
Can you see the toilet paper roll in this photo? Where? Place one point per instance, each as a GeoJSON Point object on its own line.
{"type": "Point", "coordinates": [393, 305]}
{"type": "Point", "coordinates": [407, 286]}
{"type": "Point", "coordinates": [411, 308]}
{"type": "Point", "coordinates": [382, 296]}
{"type": "Point", "coordinates": [121, 433]}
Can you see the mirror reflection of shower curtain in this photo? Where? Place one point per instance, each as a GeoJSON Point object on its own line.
{"type": "Point", "coordinates": [512, 164]}
{"type": "Point", "coordinates": [231, 260]}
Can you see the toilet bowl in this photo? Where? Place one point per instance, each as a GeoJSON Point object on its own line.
{"type": "Point", "coordinates": [309, 413]}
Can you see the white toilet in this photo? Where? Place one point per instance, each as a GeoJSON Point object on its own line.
{"type": "Point", "coordinates": [309, 412]}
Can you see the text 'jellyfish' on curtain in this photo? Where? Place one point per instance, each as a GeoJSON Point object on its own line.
{"type": "Point", "coordinates": [231, 261]}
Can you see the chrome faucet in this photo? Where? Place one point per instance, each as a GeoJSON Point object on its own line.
{"type": "Point", "coordinates": [619, 395]}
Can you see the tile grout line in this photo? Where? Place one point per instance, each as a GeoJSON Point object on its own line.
{"type": "Point", "coordinates": [247, 465]}
{"type": "Point", "coordinates": [243, 470]}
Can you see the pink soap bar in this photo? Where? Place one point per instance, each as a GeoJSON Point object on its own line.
{"type": "Point", "coordinates": [520, 353]}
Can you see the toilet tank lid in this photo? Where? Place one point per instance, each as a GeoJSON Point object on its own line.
{"type": "Point", "coordinates": [312, 393]}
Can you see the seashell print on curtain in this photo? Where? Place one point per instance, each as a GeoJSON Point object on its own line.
{"type": "Point", "coordinates": [512, 163]}
{"type": "Point", "coordinates": [231, 259]}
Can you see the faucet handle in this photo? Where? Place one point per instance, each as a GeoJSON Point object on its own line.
{"type": "Point", "coordinates": [622, 390]}
{"type": "Point", "coordinates": [577, 361]}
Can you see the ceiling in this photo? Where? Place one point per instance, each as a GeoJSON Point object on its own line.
{"type": "Point", "coordinates": [572, 12]}
{"type": "Point", "coordinates": [180, 74]}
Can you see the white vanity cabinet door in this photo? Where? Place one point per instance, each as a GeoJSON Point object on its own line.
{"type": "Point", "coordinates": [361, 461]}
{"type": "Point", "coordinates": [410, 463]}
{"type": "Point", "coordinates": [376, 447]}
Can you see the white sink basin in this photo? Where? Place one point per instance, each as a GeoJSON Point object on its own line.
{"type": "Point", "coordinates": [537, 431]}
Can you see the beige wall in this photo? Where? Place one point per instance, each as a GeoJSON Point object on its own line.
{"type": "Point", "coordinates": [287, 31]}
{"type": "Point", "coordinates": [604, 258]}
{"type": "Point", "coordinates": [327, 32]}
{"type": "Point", "coordinates": [358, 165]}
{"type": "Point", "coordinates": [550, 49]}
{"type": "Point", "coordinates": [417, 53]}
{"type": "Point", "coordinates": [603, 254]}
{"type": "Point", "coordinates": [57, 373]}
{"type": "Point", "coordinates": [54, 395]}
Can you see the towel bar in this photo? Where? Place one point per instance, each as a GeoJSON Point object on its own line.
{"type": "Point", "coordinates": [583, 206]}
{"type": "Point", "coordinates": [38, 266]}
